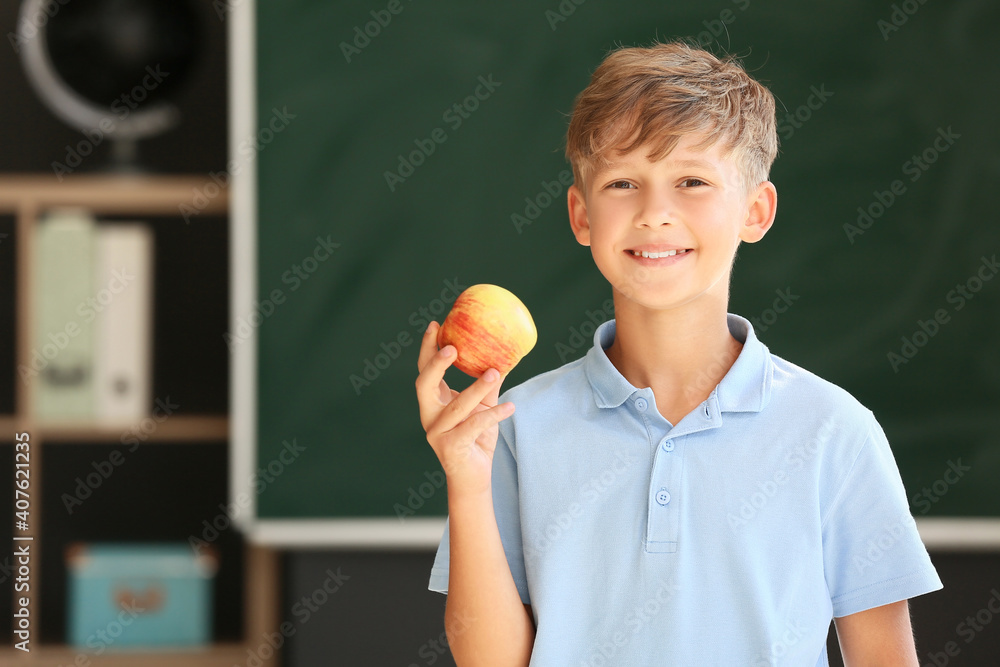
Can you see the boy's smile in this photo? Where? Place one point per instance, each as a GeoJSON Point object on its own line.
{"type": "Point", "coordinates": [665, 233]}
{"type": "Point", "coordinates": [656, 255]}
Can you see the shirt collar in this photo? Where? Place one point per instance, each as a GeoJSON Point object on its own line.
{"type": "Point", "coordinates": [746, 387]}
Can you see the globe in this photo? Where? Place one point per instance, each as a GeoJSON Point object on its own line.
{"type": "Point", "coordinates": [111, 63]}
{"type": "Point", "coordinates": [101, 48]}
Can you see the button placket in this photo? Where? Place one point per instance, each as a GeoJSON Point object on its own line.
{"type": "Point", "coordinates": [662, 516]}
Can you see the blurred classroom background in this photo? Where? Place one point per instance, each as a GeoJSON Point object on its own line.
{"type": "Point", "coordinates": [168, 359]}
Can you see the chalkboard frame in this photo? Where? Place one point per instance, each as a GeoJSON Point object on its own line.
{"type": "Point", "coordinates": [948, 532]}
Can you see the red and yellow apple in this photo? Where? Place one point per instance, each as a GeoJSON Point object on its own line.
{"type": "Point", "coordinates": [490, 328]}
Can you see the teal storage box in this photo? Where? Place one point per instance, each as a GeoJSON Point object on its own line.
{"type": "Point", "coordinates": [148, 595]}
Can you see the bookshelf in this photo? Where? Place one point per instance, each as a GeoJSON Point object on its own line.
{"type": "Point", "coordinates": [26, 198]}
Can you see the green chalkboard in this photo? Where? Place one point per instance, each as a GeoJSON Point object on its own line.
{"type": "Point", "coordinates": [411, 148]}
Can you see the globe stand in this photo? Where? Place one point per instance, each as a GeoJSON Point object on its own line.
{"type": "Point", "coordinates": [83, 53]}
{"type": "Point", "coordinates": [125, 158]}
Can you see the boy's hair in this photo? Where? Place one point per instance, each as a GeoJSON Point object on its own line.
{"type": "Point", "coordinates": [660, 93]}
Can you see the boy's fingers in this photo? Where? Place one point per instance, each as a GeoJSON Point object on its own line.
{"type": "Point", "coordinates": [474, 426]}
{"type": "Point", "coordinates": [428, 346]}
{"type": "Point", "coordinates": [466, 402]}
{"type": "Point", "coordinates": [494, 396]}
{"type": "Point", "coordinates": [429, 382]}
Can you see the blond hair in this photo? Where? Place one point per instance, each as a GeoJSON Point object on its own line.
{"type": "Point", "coordinates": [658, 94]}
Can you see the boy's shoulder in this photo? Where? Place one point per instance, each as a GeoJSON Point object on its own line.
{"type": "Point", "coordinates": [552, 383]}
{"type": "Point", "coordinates": [795, 383]}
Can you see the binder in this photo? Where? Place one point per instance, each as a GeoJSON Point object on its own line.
{"type": "Point", "coordinates": [123, 279]}
{"type": "Point", "coordinates": [61, 367]}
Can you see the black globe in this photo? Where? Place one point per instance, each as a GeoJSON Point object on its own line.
{"type": "Point", "coordinates": [103, 49]}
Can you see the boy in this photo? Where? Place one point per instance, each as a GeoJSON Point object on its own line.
{"type": "Point", "coordinates": [678, 496]}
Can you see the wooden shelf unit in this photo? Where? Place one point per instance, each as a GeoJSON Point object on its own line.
{"type": "Point", "coordinates": [26, 197]}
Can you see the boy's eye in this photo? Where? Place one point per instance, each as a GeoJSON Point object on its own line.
{"type": "Point", "coordinates": [694, 181]}
{"type": "Point", "coordinates": [621, 185]}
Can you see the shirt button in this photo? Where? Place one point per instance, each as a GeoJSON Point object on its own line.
{"type": "Point", "coordinates": [640, 404]}
{"type": "Point", "coordinates": [662, 497]}
{"type": "Point", "coordinates": [668, 445]}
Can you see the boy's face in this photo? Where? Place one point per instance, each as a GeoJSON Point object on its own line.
{"type": "Point", "coordinates": [690, 202]}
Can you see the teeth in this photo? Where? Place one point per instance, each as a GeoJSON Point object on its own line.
{"type": "Point", "coordinates": [657, 255]}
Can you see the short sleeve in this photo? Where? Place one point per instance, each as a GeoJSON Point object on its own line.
{"type": "Point", "coordinates": [506, 508]}
{"type": "Point", "coordinates": [872, 552]}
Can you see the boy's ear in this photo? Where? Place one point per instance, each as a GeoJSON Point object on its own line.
{"type": "Point", "coordinates": [762, 205]}
{"type": "Point", "coordinates": [578, 220]}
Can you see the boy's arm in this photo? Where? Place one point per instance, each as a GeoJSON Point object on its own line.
{"type": "Point", "coordinates": [878, 636]}
{"type": "Point", "coordinates": [485, 620]}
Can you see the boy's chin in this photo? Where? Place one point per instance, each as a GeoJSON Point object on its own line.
{"type": "Point", "coordinates": [666, 301]}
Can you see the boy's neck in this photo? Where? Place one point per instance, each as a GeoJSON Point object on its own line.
{"type": "Point", "coordinates": [681, 354]}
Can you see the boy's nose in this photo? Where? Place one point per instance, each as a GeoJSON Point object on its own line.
{"type": "Point", "coordinates": [657, 209]}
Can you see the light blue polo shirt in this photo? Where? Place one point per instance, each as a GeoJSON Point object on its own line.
{"type": "Point", "coordinates": [730, 538]}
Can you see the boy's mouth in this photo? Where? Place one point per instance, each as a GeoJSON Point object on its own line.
{"type": "Point", "coordinates": [657, 255]}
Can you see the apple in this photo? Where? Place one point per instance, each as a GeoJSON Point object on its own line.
{"type": "Point", "coordinates": [490, 328]}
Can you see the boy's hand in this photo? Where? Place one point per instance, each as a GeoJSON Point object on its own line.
{"type": "Point", "coordinates": [461, 427]}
